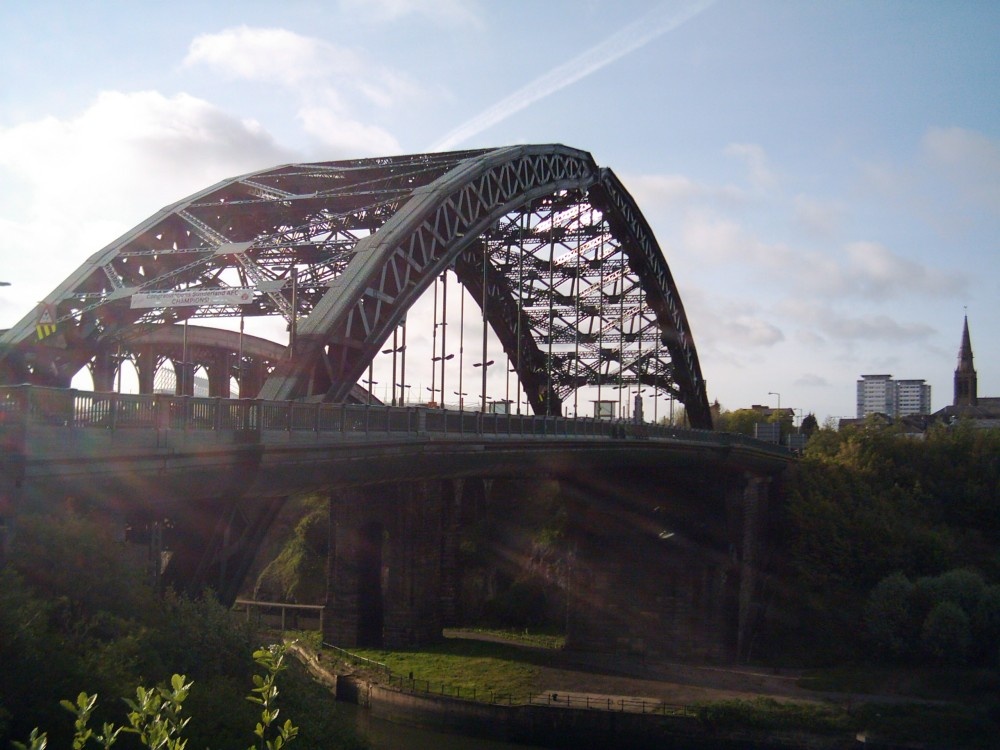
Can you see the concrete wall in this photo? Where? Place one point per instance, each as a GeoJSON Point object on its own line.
{"type": "Point", "coordinates": [568, 728]}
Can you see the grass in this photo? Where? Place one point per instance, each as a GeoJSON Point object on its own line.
{"type": "Point", "coordinates": [769, 714]}
{"type": "Point", "coordinates": [511, 663]}
{"type": "Point", "coordinates": [929, 683]}
{"type": "Point", "coordinates": [520, 637]}
{"type": "Point", "coordinates": [468, 665]}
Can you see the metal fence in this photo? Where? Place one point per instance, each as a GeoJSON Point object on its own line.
{"type": "Point", "coordinates": [283, 615]}
{"type": "Point", "coordinates": [575, 700]}
{"type": "Point", "coordinates": [256, 419]}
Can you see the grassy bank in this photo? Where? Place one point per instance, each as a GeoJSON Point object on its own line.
{"type": "Point", "coordinates": [497, 661]}
{"type": "Point", "coordinates": [511, 663]}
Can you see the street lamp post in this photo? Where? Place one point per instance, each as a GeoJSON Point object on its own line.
{"type": "Point", "coordinates": [442, 360]}
{"type": "Point", "coordinates": [484, 365]}
{"type": "Point", "coordinates": [394, 351]}
{"type": "Point", "coordinates": [774, 393]}
{"type": "Point", "coordinates": [404, 395]}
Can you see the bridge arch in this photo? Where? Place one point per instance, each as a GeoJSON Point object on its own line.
{"type": "Point", "coordinates": [566, 271]}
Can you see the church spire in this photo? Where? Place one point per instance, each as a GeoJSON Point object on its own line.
{"type": "Point", "coordinates": [965, 373]}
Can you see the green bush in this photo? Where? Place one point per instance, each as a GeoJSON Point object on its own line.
{"type": "Point", "coordinates": [156, 717]}
{"type": "Point", "coordinates": [60, 630]}
{"type": "Point", "coordinates": [888, 616]}
{"type": "Point", "coordinates": [945, 636]}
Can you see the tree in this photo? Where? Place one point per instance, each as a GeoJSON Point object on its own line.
{"type": "Point", "coordinates": [809, 424]}
{"type": "Point", "coordinates": [741, 421]}
{"type": "Point", "coordinates": [888, 615]}
{"type": "Point", "coordinates": [945, 636]}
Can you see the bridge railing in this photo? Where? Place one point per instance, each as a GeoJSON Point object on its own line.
{"type": "Point", "coordinates": [251, 420]}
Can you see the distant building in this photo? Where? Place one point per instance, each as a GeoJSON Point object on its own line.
{"type": "Point", "coordinates": [983, 411]}
{"type": "Point", "coordinates": [912, 397]}
{"type": "Point", "coordinates": [966, 382]}
{"type": "Point", "coordinates": [876, 395]}
{"type": "Point", "coordinates": [880, 394]}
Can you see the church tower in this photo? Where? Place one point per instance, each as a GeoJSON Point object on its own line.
{"type": "Point", "coordinates": [965, 373]}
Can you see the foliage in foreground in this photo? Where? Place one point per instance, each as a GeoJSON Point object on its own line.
{"type": "Point", "coordinates": [156, 716]}
{"type": "Point", "coordinates": [76, 610]}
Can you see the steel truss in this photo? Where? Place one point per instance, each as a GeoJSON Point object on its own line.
{"type": "Point", "coordinates": [552, 247]}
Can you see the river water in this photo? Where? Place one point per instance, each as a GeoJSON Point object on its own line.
{"type": "Point", "coordinates": [385, 735]}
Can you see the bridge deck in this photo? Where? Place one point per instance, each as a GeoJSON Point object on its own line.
{"type": "Point", "coordinates": [104, 442]}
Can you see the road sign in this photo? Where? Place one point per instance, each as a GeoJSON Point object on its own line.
{"type": "Point", "coordinates": [46, 324]}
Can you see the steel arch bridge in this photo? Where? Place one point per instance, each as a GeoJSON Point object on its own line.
{"type": "Point", "coordinates": [564, 267]}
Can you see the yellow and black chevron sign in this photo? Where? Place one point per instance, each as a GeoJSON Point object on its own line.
{"type": "Point", "coordinates": [46, 324]}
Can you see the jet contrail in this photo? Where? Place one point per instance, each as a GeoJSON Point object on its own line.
{"type": "Point", "coordinates": [662, 19]}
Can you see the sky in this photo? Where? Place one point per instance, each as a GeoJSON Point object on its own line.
{"type": "Point", "coordinates": [823, 178]}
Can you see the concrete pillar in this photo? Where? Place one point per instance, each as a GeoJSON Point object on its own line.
{"type": "Point", "coordinates": [384, 569]}
{"type": "Point", "coordinates": [451, 538]}
{"type": "Point", "coordinates": [184, 372]}
{"type": "Point", "coordinates": [412, 574]}
{"type": "Point", "coordinates": [342, 616]}
{"type": "Point", "coordinates": [102, 371]}
{"type": "Point", "coordinates": [146, 362]}
{"type": "Point", "coordinates": [251, 378]}
{"type": "Point", "coordinates": [753, 507]}
{"type": "Point", "coordinates": [218, 376]}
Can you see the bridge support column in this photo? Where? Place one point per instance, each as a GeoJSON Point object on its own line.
{"type": "Point", "coordinates": [145, 365]}
{"type": "Point", "coordinates": [750, 501]}
{"type": "Point", "coordinates": [452, 530]}
{"type": "Point", "coordinates": [647, 572]}
{"type": "Point", "coordinates": [218, 377]}
{"type": "Point", "coordinates": [384, 571]}
{"type": "Point", "coordinates": [251, 378]}
{"type": "Point", "coordinates": [413, 571]}
{"type": "Point", "coordinates": [103, 372]}
{"type": "Point", "coordinates": [342, 616]}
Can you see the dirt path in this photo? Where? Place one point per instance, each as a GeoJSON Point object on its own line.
{"type": "Point", "coordinates": [603, 676]}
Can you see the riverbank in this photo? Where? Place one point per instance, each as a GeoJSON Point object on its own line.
{"type": "Point", "coordinates": [606, 701]}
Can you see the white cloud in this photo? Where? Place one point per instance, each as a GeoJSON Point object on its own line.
{"type": "Point", "coordinates": [857, 269]}
{"type": "Point", "coordinates": [660, 20]}
{"type": "Point", "coordinates": [312, 67]}
{"type": "Point", "coordinates": [346, 136]}
{"type": "Point", "coordinates": [140, 148]}
{"type": "Point", "coordinates": [655, 191]}
{"type": "Point", "coordinates": [332, 83]}
{"type": "Point", "coordinates": [970, 159]}
{"type": "Point", "coordinates": [82, 181]}
{"type": "Point", "coordinates": [817, 217]}
{"type": "Point", "coordinates": [450, 12]}
{"type": "Point", "coordinates": [874, 328]}
{"type": "Point", "coordinates": [751, 331]}
{"type": "Point", "coordinates": [761, 175]}
{"type": "Point", "coordinates": [270, 55]}
{"type": "Point", "coordinates": [871, 269]}
{"type": "Point", "coordinates": [812, 380]}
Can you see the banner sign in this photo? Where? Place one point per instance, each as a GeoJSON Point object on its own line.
{"type": "Point", "coordinates": [193, 298]}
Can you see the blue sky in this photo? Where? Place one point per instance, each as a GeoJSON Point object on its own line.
{"type": "Point", "coordinates": [824, 177]}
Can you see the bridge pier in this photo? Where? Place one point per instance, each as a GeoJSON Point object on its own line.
{"type": "Point", "coordinates": [388, 562]}
{"type": "Point", "coordinates": [671, 569]}
{"type": "Point", "coordinates": [218, 376]}
{"type": "Point", "coordinates": [146, 362]}
{"type": "Point", "coordinates": [103, 371]}
{"type": "Point", "coordinates": [748, 505]}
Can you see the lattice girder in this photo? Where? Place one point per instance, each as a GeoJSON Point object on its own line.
{"type": "Point", "coordinates": [577, 290]}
